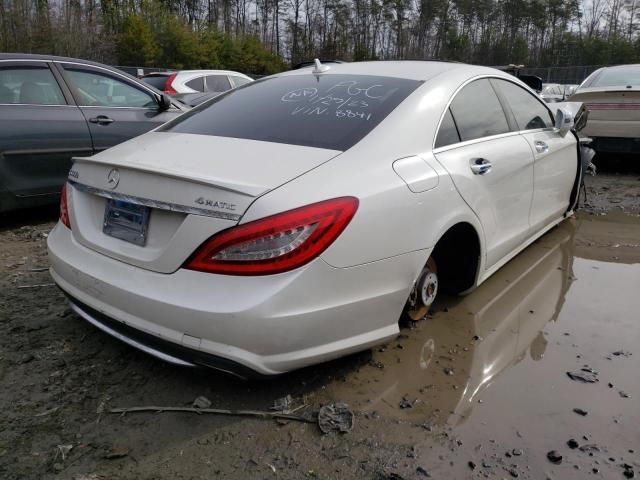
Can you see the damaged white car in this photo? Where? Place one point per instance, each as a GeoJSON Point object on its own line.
{"type": "Point", "coordinates": [296, 219]}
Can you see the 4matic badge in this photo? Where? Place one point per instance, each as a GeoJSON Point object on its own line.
{"type": "Point", "coordinates": [215, 204]}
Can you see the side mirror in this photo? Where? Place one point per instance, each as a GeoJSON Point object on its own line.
{"type": "Point", "coordinates": [164, 102]}
{"type": "Point", "coordinates": [564, 121]}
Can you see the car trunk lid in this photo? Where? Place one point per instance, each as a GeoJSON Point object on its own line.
{"type": "Point", "coordinates": [611, 103]}
{"type": "Point", "coordinates": [189, 187]}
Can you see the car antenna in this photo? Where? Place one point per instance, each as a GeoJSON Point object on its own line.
{"type": "Point", "coordinates": [319, 68]}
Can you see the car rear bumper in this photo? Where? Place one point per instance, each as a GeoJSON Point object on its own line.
{"type": "Point", "coordinates": [611, 128]}
{"type": "Point", "coordinates": [269, 325]}
{"type": "Point", "coordinates": [162, 349]}
{"type": "Point", "coordinates": [616, 144]}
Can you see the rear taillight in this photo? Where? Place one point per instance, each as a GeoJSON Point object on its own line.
{"type": "Point", "coordinates": [277, 243]}
{"type": "Point", "coordinates": [64, 207]}
{"type": "Point", "coordinates": [168, 87]}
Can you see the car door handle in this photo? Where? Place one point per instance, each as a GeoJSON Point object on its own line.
{"type": "Point", "coordinates": [541, 147]}
{"type": "Point", "coordinates": [102, 120]}
{"type": "Point", "coordinates": [480, 166]}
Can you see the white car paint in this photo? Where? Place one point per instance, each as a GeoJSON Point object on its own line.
{"type": "Point", "coordinates": [179, 83]}
{"type": "Point", "coordinates": [351, 296]}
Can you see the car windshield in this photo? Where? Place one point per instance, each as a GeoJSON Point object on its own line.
{"type": "Point", "coordinates": [323, 111]}
{"type": "Point", "coordinates": [618, 77]}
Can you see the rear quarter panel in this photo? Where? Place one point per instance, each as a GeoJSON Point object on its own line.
{"type": "Point", "coordinates": [391, 219]}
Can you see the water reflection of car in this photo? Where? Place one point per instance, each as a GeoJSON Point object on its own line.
{"type": "Point", "coordinates": [612, 96]}
{"type": "Point", "coordinates": [451, 359]}
{"type": "Point", "coordinates": [52, 108]}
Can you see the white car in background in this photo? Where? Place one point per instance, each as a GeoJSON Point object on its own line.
{"type": "Point", "coordinates": [612, 97]}
{"type": "Point", "coordinates": [194, 81]}
{"type": "Point", "coordinates": [296, 220]}
{"type": "Point", "coordinates": [552, 92]}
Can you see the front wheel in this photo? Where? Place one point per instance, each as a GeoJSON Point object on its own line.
{"type": "Point", "coordinates": [424, 292]}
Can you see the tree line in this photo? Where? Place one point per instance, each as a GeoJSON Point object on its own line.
{"type": "Point", "coordinates": [267, 36]}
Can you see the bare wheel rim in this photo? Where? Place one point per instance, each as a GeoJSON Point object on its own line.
{"type": "Point", "coordinates": [424, 292]}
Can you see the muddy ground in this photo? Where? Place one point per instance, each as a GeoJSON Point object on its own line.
{"type": "Point", "coordinates": [480, 390]}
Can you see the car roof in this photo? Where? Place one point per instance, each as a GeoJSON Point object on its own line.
{"type": "Point", "coordinates": [409, 69]}
{"type": "Point", "coordinates": [213, 72]}
{"type": "Point", "coordinates": [190, 72]}
{"type": "Point", "coordinates": [157, 74]}
{"type": "Point", "coordinates": [613, 67]}
{"type": "Point", "coordinates": [35, 56]}
{"type": "Point", "coordinates": [54, 58]}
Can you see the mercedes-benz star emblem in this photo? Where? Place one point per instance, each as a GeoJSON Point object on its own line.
{"type": "Point", "coordinates": [113, 178]}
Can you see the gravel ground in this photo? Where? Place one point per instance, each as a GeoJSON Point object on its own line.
{"type": "Point", "coordinates": [480, 390]}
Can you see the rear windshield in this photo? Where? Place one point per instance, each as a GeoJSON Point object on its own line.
{"type": "Point", "coordinates": [324, 111]}
{"type": "Point", "coordinates": [617, 77]}
{"type": "Point", "coordinates": [156, 81]}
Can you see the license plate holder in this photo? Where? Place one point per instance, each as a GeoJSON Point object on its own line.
{"type": "Point", "coordinates": [126, 221]}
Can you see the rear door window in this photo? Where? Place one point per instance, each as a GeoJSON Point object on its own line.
{"type": "Point", "coordinates": [529, 112]}
{"type": "Point", "coordinates": [29, 85]}
{"type": "Point", "coordinates": [324, 111]}
{"type": "Point", "coordinates": [477, 111]}
{"type": "Point", "coordinates": [217, 83]}
{"type": "Point", "coordinates": [196, 83]}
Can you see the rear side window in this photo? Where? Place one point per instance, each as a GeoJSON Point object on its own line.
{"type": "Point", "coordinates": [324, 111]}
{"type": "Point", "coordinates": [30, 85]}
{"type": "Point", "coordinates": [528, 111]}
{"type": "Point", "coordinates": [218, 83]}
{"type": "Point", "coordinates": [196, 83]}
{"type": "Point", "coordinates": [237, 81]}
{"type": "Point", "coordinates": [448, 133]}
{"type": "Point", "coordinates": [478, 112]}
{"type": "Point", "coordinates": [157, 81]}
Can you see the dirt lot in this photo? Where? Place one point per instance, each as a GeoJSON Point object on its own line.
{"type": "Point", "coordinates": [481, 390]}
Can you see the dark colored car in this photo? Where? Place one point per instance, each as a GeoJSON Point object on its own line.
{"type": "Point", "coordinates": [55, 108]}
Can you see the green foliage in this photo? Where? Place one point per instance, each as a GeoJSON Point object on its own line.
{"type": "Point", "coordinates": [178, 46]}
{"type": "Point", "coordinates": [244, 36]}
{"type": "Point", "coordinates": [136, 44]}
{"type": "Point", "coordinates": [156, 37]}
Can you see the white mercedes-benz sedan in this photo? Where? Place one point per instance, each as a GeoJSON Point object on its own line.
{"type": "Point", "coordinates": [296, 219]}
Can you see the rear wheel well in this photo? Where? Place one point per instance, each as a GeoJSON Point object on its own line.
{"type": "Point", "coordinates": [457, 255]}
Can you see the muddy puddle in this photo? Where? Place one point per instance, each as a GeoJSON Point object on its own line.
{"type": "Point", "coordinates": [480, 390]}
{"type": "Point", "coordinates": [487, 375]}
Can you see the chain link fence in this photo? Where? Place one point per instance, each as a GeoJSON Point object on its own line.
{"type": "Point", "coordinates": [573, 75]}
{"type": "Point", "coordinates": [564, 75]}
{"type": "Point", "coordinates": [140, 71]}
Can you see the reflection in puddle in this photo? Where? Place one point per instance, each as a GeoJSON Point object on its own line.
{"type": "Point", "coordinates": [437, 372]}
